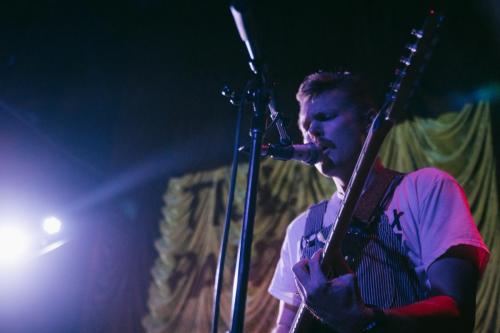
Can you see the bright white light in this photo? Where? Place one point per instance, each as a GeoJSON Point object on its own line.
{"type": "Point", "coordinates": [14, 244]}
{"type": "Point", "coordinates": [52, 225]}
{"type": "Point", "coordinates": [52, 246]}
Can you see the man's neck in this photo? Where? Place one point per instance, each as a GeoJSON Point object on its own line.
{"type": "Point", "coordinates": [342, 182]}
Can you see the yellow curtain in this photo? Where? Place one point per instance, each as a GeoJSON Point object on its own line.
{"type": "Point", "coordinates": [180, 296]}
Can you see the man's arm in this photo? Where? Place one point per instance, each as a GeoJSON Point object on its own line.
{"type": "Point", "coordinates": [452, 302]}
{"type": "Point", "coordinates": [451, 305]}
{"type": "Point", "coordinates": [286, 315]}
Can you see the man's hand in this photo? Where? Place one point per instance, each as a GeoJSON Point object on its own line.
{"type": "Point", "coordinates": [336, 302]}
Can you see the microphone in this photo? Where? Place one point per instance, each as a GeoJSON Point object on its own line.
{"type": "Point", "coordinates": [307, 153]}
{"type": "Point", "coordinates": [243, 19]}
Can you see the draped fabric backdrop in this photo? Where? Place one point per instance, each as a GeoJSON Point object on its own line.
{"type": "Point", "coordinates": [180, 296]}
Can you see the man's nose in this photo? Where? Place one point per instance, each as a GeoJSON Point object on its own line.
{"type": "Point", "coordinates": [315, 130]}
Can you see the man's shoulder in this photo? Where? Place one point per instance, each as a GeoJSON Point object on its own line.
{"type": "Point", "coordinates": [427, 177]}
{"type": "Point", "coordinates": [420, 184]}
{"type": "Point", "coordinates": [296, 227]}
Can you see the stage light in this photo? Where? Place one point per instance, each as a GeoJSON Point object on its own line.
{"type": "Point", "coordinates": [14, 245]}
{"type": "Point", "coordinates": [52, 225]}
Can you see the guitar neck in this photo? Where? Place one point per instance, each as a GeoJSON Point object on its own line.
{"type": "Point", "coordinates": [332, 264]}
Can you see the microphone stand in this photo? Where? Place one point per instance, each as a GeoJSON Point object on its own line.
{"type": "Point", "coordinates": [245, 245]}
{"type": "Point", "coordinates": [258, 91]}
{"type": "Point", "coordinates": [284, 145]}
{"type": "Point", "coordinates": [260, 95]}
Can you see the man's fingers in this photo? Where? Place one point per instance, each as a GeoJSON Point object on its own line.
{"type": "Point", "coordinates": [346, 278]}
{"type": "Point", "coordinates": [301, 271]}
{"type": "Point", "coordinates": [343, 281]}
{"type": "Point", "coordinates": [315, 267]}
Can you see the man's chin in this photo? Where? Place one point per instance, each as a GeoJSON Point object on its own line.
{"type": "Point", "coordinates": [326, 168]}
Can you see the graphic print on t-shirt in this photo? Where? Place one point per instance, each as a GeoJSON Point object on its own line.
{"type": "Point", "coordinates": [396, 224]}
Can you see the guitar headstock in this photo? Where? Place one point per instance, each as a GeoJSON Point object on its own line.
{"type": "Point", "coordinates": [412, 65]}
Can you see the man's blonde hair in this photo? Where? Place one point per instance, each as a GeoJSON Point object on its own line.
{"type": "Point", "coordinates": [357, 90]}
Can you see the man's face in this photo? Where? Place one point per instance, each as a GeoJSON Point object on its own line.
{"type": "Point", "coordinates": [329, 121]}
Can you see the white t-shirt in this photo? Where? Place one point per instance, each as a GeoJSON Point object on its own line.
{"type": "Point", "coordinates": [428, 209]}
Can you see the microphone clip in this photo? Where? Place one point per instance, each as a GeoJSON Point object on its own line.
{"type": "Point", "coordinates": [277, 151]}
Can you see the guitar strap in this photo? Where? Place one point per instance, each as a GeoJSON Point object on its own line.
{"type": "Point", "coordinates": [373, 201]}
{"type": "Point", "coordinates": [377, 196]}
{"type": "Point", "coordinates": [371, 248]}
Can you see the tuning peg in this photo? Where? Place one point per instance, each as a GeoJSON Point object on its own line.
{"type": "Point", "coordinates": [417, 33]}
{"type": "Point", "coordinates": [405, 60]}
{"type": "Point", "coordinates": [394, 86]}
{"type": "Point", "coordinates": [412, 47]}
{"type": "Point", "coordinates": [400, 72]}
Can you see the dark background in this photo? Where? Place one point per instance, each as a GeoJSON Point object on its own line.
{"type": "Point", "coordinates": [102, 102]}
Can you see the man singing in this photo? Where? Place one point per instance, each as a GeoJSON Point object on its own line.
{"type": "Point", "coordinates": [417, 261]}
